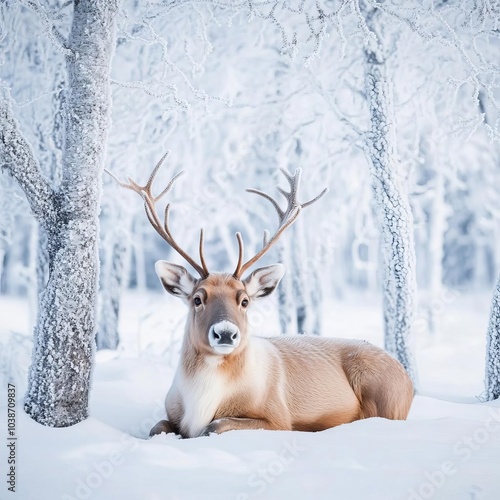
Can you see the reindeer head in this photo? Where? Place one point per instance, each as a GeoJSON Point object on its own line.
{"type": "Point", "coordinates": [218, 302]}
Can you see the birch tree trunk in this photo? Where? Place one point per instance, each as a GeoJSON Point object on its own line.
{"type": "Point", "coordinates": [50, 163]}
{"type": "Point", "coordinates": [437, 228]}
{"type": "Point", "coordinates": [139, 254]}
{"type": "Point", "coordinates": [316, 299]}
{"type": "Point", "coordinates": [6, 223]}
{"type": "Point", "coordinates": [394, 215]}
{"type": "Point", "coordinates": [114, 256]}
{"type": "Point", "coordinates": [59, 380]}
{"type": "Point", "coordinates": [299, 285]}
{"type": "Point", "coordinates": [286, 306]}
{"type": "Point", "coordinates": [492, 378]}
{"type": "Point", "coordinates": [109, 301]}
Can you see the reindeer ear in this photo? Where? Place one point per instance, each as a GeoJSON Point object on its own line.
{"type": "Point", "coordinates": [175, 279]}
{"type": "Point", "coordinates": [263, 281]}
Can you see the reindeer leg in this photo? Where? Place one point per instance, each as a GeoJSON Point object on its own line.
{"type": "Point", "coordinates": [232, 424]}
{"type": "Point", "coordinates": [162, 426]}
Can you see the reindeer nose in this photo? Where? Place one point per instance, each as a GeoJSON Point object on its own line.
{"type": "Point", "coordinates": [226, 337]}
{"type": "Point", "coordinates": [224, 334]}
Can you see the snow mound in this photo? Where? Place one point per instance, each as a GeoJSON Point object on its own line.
{"type": "Point", "coordinates": [445, 450]}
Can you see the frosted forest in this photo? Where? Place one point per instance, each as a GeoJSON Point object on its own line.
{"type": "Point", "coordinates": [387, 113]}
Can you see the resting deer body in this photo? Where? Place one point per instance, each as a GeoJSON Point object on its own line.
{"type": "Point", "coordinates": [228, 379]}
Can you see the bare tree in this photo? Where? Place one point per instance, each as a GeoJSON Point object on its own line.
{"type": "Point", "coordinates": [392, 203]}
{"type": "Point", "coordinates": [113, 272]}
{"type": "Point", "coordinates": [59, 380]}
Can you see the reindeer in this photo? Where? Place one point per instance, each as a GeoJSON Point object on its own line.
{"type": "Point", "coordinates": [228, 379]}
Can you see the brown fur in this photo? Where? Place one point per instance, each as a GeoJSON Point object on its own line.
{"type": "Point", "coordinates": [288, 382]}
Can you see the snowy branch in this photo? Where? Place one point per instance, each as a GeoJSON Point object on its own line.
{"type": "Point", "coordinates": [53, 34]}
{"type": "Point", "coordinates": [18, 160]}
{"type": "Point", "coordinates": [310, 15]}
{"type": "Point", "coordinates": [461, 28]}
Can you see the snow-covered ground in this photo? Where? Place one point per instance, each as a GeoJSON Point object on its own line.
{"type": "Point", "coordinates": [448, 448]}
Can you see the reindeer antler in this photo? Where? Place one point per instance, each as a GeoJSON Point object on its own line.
{"type": "Point", "coordinates": [286, 218]}
{"type": "Point", "coordinates": [150, 206]}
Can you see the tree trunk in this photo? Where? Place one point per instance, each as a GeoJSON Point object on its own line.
{"type": "Point", "coordinates": [492, 379]}
{"type": "Point", "coordinates": [30, 273]}
{"type": "Point", "coordinates": [6, 223]}
{"type": "Point", "coordinates": [42, 260]}
{"type": "Point", "coordinates": [59, 380]}
{"type": "Point", "coordinates": [316, 299]}
{"type": "Point", "coordinates": [114, 256]}
{"type": "Point", "coordinates": [299, 284]}
{"type": "Point", "coordinates": [3, 252]}
{"type": "Point", "coordinates": [437, 228]}
{"type": "Point", "coordinates": [394, 215]}
{"type": "Point", "coordinates": [50, 151]}
{"type": "Point", "coordinates": [139, 254]}
{"type": "Point", "coordinates": [285, 302]}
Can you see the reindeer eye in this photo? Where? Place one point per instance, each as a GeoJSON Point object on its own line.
{"type": "Point", "coordinates": [197, 301]}
{"type": "Point", "coordinates": [244, 303]}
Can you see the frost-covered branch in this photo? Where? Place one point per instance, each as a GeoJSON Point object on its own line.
{"type": "Point", "coordinates": [172, 78]}
{"type": "Point", "coordinates": [304, 23]}
{"type": "Point", "coordinates": [18, 160]}
{"type": "Point", "coordinates": [462, 29]}
{"type": "Point", "coordinates": [53, 34]}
